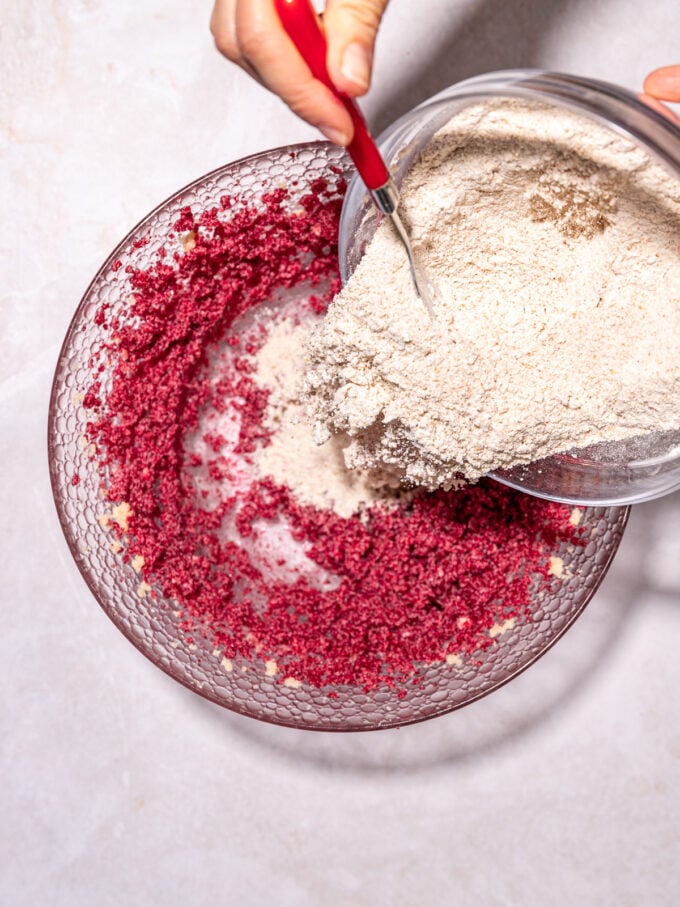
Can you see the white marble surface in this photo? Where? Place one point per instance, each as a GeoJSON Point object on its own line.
{"type": "Point", "coordinates": [118, 786]}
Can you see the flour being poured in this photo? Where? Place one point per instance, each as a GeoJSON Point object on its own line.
{"type": "Point", "coordinates": [315, 473]}
{"type": "Point", "coordinates": [553, 243]}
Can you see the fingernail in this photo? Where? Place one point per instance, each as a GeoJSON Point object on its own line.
{"type": "Point", "coordinates": [356, 65]}
{"type": "Point", "coordinates": [335, 135]}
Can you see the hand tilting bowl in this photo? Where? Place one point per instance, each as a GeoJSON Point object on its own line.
{"type": "Point", "coordinates": [623, 472]}
{"type": "Point", "coordinates": [152, 620]}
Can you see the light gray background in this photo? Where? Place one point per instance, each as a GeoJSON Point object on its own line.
{"type": "Point", "coordinates": [118, 786]}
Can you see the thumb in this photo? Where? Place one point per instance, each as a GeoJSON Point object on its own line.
{"type": "Point", "coordinates": [664, 83]}
{"type": "Point", "coordinates": [351, 27]}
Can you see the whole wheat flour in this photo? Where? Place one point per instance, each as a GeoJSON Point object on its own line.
{"type": "Point", "coordinates": [553, 243]}
{"type": "Point", "coordinates": [317, 474]}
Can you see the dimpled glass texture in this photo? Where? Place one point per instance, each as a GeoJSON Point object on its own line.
{"type": "Point", "coordinates": [150, 623]}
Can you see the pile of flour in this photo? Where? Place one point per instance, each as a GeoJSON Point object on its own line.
{"type": "Point", "coordinates": [553, 243]}
{"type": "Point", "coordinates": [317, 474]}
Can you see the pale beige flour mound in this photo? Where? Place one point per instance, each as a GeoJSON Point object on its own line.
{"type": "Point", "coordinates": [317, 474]}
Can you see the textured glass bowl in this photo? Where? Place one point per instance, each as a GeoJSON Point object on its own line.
{"type": "Point", "coordinates": [605, 474]}
{"type": "Point", "coordinates": [152, 625]}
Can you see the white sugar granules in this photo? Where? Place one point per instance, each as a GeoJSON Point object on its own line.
{"type": "Point", "coordinates": [554, 245]}
{"type": "Point", "coordinates": [316, 473]}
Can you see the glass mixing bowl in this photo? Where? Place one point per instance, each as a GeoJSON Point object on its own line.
{"type": "Point", "coordinates": [604, 474]}
{"type": "Point", "coordinates": [152, 622]}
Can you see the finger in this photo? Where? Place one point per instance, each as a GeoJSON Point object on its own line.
{"type": "Point", "coordinates": [664, 83]}
{"type": "Point", "coordinates": [223, 28]}
{"type": "Point", "coordinates": [659, 106]}
{"type": "Point", "coordinates": [264, 45]}
{"type": "Point", "coordinates": [351, 28]}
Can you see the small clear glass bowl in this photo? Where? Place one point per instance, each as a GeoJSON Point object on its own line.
{"type": "Point", "coordinates": [604, 474]}
{"type": "Point", "coordinates": [154, 625]}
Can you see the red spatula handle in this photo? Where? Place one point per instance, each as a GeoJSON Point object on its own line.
{"type": "Point", "coordinates": [302, 26]}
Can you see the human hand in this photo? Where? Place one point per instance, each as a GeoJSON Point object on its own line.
{"type": "Point", "coordinates": [249, 33]}
{"type": "Point", "coordinates": [663, 85]}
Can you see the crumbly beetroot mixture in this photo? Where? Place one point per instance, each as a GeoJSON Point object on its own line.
{"type": "Point", "coordinates": [412, 583]}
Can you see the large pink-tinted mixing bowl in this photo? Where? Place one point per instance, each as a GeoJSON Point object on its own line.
{"type": "Point", "coordinates": [151, 623]}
